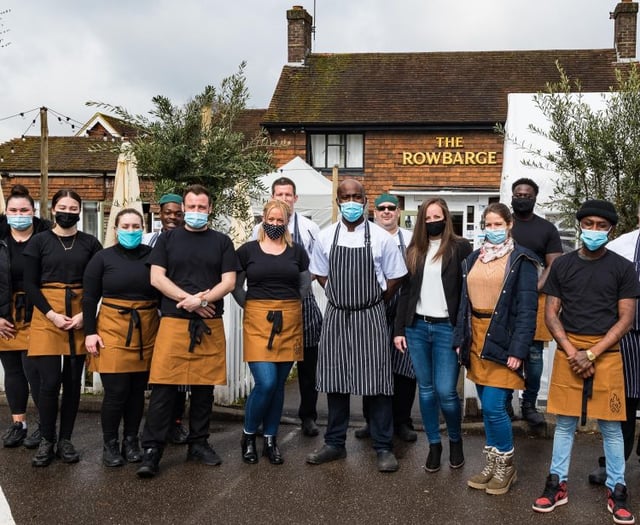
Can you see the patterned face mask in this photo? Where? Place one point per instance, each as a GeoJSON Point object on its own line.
{"type": "Point", "coordinates": [274, 231]}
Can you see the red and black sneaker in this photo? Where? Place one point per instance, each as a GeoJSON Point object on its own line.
{"type": "Point", "coordinates": [554, 495]}
{"type": "Point", "coordinates": [617, 505]}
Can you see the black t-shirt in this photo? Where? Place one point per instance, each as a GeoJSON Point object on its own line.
{"type": "Point", "coordinates": [273, 276]}
{"type": "Point", "coordinates": [16, 249]}
{"type": "Point", "coordinates": [590, 290]}
{"type": "Point", "coordinates": [52, 259]}
{"type": "Point", "coordinates": [537, 234]}
{"type": "Point", "coordinates": [117, 273]}
{"type": "Point", "coordinates": [194, 261]}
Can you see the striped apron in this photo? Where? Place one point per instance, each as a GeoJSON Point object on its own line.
{"type": "Point", "coordinates": [630, 344]}
{"type": "Point", "coordinates": [400, 361]}
{"type": "Point", "coordinates": [21, 312]}
{"type": "Point", "coordinates": [311, 314]}
{"type": "Point", "coordinates": [47, 339]}
{"type": "Point", "coordinates": [353, 353]}
{"type": "Point", "coordinates": [272, 330]}
{"type": "Point", "coordinates": [600, 398]}
{"type": "Point", "coordinates": [189, 352]}
{"type": "Point", "coordinates": [128, 330]}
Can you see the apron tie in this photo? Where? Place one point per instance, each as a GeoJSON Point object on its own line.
{"type": "Point", "coordinates": [197, 327]}
{"type": "Point", "coordinates": [134, 322]}
{"type": "Point", "coordinates": [69, 294]}
{"type": "Point", "coordinates": [275, 318]}
{"type": "Point", "coordinates": [21, 308]}
{"type": "Point", "coordinates": [587, 393]}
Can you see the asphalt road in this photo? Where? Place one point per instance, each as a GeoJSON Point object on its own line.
{"type": "Point", "coordinates": [342, 492]}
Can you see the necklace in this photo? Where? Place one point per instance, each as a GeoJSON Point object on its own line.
{"type": "Point", "coordinates": [67, 248]}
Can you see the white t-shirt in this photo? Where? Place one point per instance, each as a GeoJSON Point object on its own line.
{"type": "Point", "coordinates": [432, 301]}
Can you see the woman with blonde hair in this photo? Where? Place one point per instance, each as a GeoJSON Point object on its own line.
{"type": "Point", "coordinates": [425, 321]}
{"type": "Point", "coordinates": [276, 272]}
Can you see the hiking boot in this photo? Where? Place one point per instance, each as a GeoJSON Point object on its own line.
{"type": "Point", "coordinates": [150, 463]}
{"type": "Point", "coordinates": [67, 452]}
{"type": "Point", "coordinates": [504, 474]}
{"type": "Point", "coordinates": [480, 481]}
{"type": "Point", "coordinates": [598, 476]}
{"type": "Point", "coordinates": [45, 455]}
{"type": "Point", "coordinates": [554, 495]}
{"type": "Point", "coordinates": [131, 449]}
{"type": "Point", "coordinates": [617, 505]}
{"type": "Point", "coordinates": [33, 441]}
{"type": "Point", "coordinates": [531, 415]}
{"type": "Point", "coordinates": [433, 459]}
{"type": "Point", "coordinates": [14, 436]}
{"type": "Point", "coordinates": [456, 454]}
{"type": "Point", "coordinates": [111, 454]}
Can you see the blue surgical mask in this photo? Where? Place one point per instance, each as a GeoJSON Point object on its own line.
{"type": "Point", "coordinates": [594, 239]}
{"type": "Point", "coordinates": [496, 236]}
{"type": "Point", "coordinates": [20, 222]}
{"type": "Point", "coordinates": [196, 220]}
{"type": "Point", "coordinates": [129, 239]}
{"type": "Point", "coordinates": [351, 211]}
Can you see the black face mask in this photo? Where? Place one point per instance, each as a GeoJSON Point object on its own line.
{"type": "Point", "coordinates": [522, 206]}
{"type": "Point", "coordinates": [67, 220]}
{"type": "Point", "coordinates": [274, 231]}
{"type": "Point", "coordinates": [435, 228]}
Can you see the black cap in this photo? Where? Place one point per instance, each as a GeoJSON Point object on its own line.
{"type": "Point", "coordinates": [599, 208]}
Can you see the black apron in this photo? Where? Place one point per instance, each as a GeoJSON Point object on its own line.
{"type": "Point", "coordinates": [353, 353]}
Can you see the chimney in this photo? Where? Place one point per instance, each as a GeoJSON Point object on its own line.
{"type": "Point", "coordinates": [625, 16]}
{"type": "Point", "coordinates": [299, 33]}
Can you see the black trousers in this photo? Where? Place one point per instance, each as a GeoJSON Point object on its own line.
{"type": "Point", "coordinates": [307, 384]}
{"type": "Point", "coordinates": [404, 393]}
{"type": "Point", "coordinates": [178, 406]}
{"type": "Point", "coordinates": [19, 374]}
{"type": "Point", "coordinates": [123, 400]}
{"type": "Point", "coordinates": [52, 376]}
{"type": "Point", "coordinates": [160, 414]}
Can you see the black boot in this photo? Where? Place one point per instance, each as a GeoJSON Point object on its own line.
{"type": "Point", "coordinates": [456, 454]}
{"type": "Point", "coordinates": [44, 456]}
{"type": "Point", "coordinates": [531, 415]}
{"type": "Point", "coordinates": [599, 475]}
{"type": "Point", "coordinates": [111, 454]}
{"type": "Point", "coordinates": [272, 451]}
{"type": "Point", "coordinates": [433, 459]}
{"type": "Point", "coordinates": [249, 451]}
{"type": "Point", "coordinates": [131, 449]}
{"type": "Point", "coordinates": [150, 462]}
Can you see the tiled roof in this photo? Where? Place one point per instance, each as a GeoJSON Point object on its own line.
{"type": "Point", "coordinates": [424, 88]}
{"type": "Point", "coordinates": [66, 155]}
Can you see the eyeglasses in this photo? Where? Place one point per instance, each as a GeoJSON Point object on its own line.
{"type": "Point", "coordinates": [390, 207]}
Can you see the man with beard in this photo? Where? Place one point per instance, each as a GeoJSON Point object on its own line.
{"type": "Point", "coordinates": [542, 238]}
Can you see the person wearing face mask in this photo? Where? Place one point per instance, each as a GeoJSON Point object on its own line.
{"type": "Point", "coordinates": [193, 267]}
{"type": "Point", "coordinates": [427, 313]}
{"type": "Point", "coordinates": [493, 333]}
{"type": "Point", "coordinates": [386, 214]}
{"type": "Point", "coordinates": [16, 230]}
{"type": "Point", "coordinates": [55, 261]}
{"type": "Point", "coordinates": [276, 272]}
{"type": "Point", "coordinates": [171, 217]}
{"type": "Point", "coordinates": [360, 267]}
{"type": "Point", "coordinates": [120, 340]}
{"type": "Point", "coordinates": [543, 239]}
{"type": "Point", "coordinates": [591, 302]}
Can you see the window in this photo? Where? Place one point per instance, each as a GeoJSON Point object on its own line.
{"type": "Point", "coordinates": [345, 150]}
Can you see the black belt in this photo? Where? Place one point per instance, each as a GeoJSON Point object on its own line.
{"type": "Point", "coordinates": [275, 318]}
{"type": "Point", "coordinates": [429, 319]}
{"type": "Point", "coordinates": [134, 322]}
{"type": "Point", "coordinates": [481, 315]}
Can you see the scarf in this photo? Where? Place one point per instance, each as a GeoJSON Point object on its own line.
{"type": "Point", "coordinates": [490, 252]}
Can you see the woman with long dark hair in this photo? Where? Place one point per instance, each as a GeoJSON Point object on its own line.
{"type": "Point", "coordinates": [120, 341]}
{"type": "Point", "coordinates": [55, 261]}
{"type": "Point", "coordinates": [16, 231]}
{"type": "Point", "coordinates": [425, 320]}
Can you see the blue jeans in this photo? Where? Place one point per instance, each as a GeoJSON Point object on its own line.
{"type": "Point", "coordinates": [265, 402]}
{"type": "Point", "coordinates": [436, 366]}
{"type": "Point", "coordinates": [533, 372]}
{"type": "Point", "coordinates": [497, 425]}
{"type": "Point", "coordinates": [611, 439]}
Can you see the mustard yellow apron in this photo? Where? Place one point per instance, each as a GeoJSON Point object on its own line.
{"type": "Point", "coordinates": [272, 330]}
{"type": "Point", "coordinates": [179, 359]}
{"type": "Point", "coordinates": [566, 389]}
{"type": "Point", "coordinates": [542, 332]}
{"type": "Point", "coordinates": [44, 337]}
{"type": "Point", "coordinates": [21, 324]}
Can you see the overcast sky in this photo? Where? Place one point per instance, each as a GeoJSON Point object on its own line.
{"type": "Point", "coordinates": [63, 53]}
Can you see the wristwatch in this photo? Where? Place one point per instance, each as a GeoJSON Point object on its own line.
{"type": "Point", "coordinates": [204, 303]}
{"type": "Point", "coordinates": [590, 355]}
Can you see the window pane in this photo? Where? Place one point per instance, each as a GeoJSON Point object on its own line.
{"type": "Point", "coordinates": [335, 150]}
{"type": "Point", "coordinates": [355, 151]}
{"type": "Point", "coordinates": [318, 151]}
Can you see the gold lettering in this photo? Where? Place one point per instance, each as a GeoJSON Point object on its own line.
{"type": "Point", "coordinates": [469, 157]}
{"type": "Point", "coordinates": [449, 158]}
{"type": "Point", "coordinates": [493, 157]}
{"type": "Point", "coordinates": [433, 157]}
{"type": "Point", "coordinates": [419, 158]}
{"type": "Point", "coordinates": [406, 158]}
{"type": "Point", "coordinates": [457, 158]}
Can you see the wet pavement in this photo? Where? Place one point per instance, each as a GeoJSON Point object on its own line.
{"type": "Point", "coordinates": [346, 491]}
